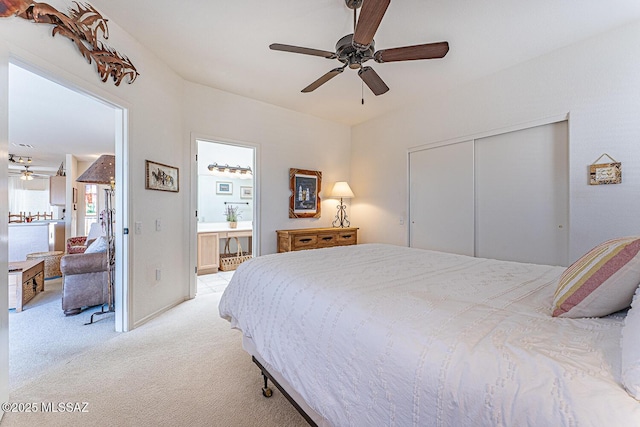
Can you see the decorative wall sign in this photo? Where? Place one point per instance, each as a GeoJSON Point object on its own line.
{"type": "Point", "coordinates": [82, 25]}
{"type": "Point", "coordinates": [305, 186]}
{"type": "Point", "coordinates": [605, 173]}
{"type": "Point", "coordinates": [161, 177]}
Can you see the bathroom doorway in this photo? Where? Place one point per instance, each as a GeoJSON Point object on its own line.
{"type": "Point", "coordinates": [226, 211]}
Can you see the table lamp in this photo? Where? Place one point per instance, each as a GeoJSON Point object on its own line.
{"type": "Point", "coordinates": [342, 190]}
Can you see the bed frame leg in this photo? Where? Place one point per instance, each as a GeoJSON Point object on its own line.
{"type": "Point", "coordinates": [266, 390]}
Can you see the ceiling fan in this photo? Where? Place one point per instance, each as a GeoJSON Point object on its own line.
{"type": "Point", "coordinates": [355, 49]}
{"type": "Point", "coordinates": [26, 174]}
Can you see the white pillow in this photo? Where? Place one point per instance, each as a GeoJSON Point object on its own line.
{"type": "Point", "coordinates": [95, 231]}
{"type": "Point", "coordinates": [98, 245]}
{"type": "Point", "coordinates": [631, 348]}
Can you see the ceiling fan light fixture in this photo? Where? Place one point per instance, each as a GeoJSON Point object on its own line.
{"type": "Point", "coordinates": [26, 175]}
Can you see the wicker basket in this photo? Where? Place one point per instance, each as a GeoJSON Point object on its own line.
{"type": "Point", "coordinates": [51, 262]}
{"type": "Point", "coordinates": [229, 261]}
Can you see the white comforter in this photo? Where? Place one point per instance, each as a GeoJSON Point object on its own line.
{"type": "Point", "coordinates": [382, 335]}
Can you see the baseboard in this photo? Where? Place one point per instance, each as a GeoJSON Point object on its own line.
{"type": "Point", "coordinates": [159, 312]}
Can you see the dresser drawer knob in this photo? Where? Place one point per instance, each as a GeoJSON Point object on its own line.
{"type": "Point", "coordinates": [305, 240]}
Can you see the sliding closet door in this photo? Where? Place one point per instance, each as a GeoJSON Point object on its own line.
{"type": "Point", "coordinates": [522, 195]}
{"type": "Point", "coordinates": [441, 198]}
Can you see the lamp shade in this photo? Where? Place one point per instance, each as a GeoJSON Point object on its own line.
{"type": "Point", "coordinates": [341, 189]}
{"type": "Point", "coordinates": [102, 171]}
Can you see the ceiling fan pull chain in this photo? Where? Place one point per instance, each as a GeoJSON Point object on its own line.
{"type": "Point", "coordinates": [362, 90]}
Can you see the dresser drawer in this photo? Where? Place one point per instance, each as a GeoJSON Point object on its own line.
{"type": "Point", "coordinates": [326, 240]}
{"type": "Point", "coordinates": [305, 242]}
{"type": "Point", "coordinates": [29, 274]}
{"type": "Point", "coordinates": [347, 238]}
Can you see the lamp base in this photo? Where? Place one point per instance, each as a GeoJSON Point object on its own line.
{"type": "Point", "coordinates": [341, 220]}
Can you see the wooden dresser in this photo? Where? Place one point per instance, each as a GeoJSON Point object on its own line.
{"type": "Point", "coordinates": [314, 238]}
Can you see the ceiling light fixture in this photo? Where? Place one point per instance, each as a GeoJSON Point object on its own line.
{"type": "Point", "coordinates": [102, 171]}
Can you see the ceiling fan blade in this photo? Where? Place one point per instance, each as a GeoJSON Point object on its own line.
{"type": "Point", "coordinates": [373, 80]}
{"type": "Point", "coordinates": [322, 80]}
{"type": "Point", "coordinates": [302, 50]}
{"type": "Point", "coordinates": [410, 53]}
{"type": "Point", "coordinates": [369, 20]}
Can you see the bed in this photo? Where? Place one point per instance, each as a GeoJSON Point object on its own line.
{"type": "Point", "coordinates": [377, 334]}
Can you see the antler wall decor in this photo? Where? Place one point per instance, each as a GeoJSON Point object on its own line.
{"type": "Point", "coordinates": [82, 26]}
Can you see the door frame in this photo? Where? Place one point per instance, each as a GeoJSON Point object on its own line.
{"type": "Point", "coordinates": [123, 300]}
{"type": "Point", "coordinates": [193, 205]}
{"type": "Point", "coordinates": [4, 227]}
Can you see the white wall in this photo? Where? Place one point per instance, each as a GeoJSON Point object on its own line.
{"type": "Point", "coordinates": [286, 140]}
{"type": "Point", "coordinates": [154, 102]}
{"type": "Point", "coordinates": [597, 82]}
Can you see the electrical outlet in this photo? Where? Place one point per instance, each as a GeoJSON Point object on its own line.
{"type": "Point", "coordinates": [138, 227]}
{"type": "Point", "coordinates": [158, 275]}
{"type": "Point", "coordinates": [158, 225]}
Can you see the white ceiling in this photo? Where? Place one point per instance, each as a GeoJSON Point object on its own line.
{"type": "Point", "coordinates": [225, 44]}
{"type": "Point", "coordinates": [55, 121]}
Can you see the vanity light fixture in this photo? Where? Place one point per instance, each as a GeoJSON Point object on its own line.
{"type": "Point", "coordinates": [231, 171]}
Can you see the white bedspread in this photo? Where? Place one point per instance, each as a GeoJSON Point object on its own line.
{"type": "Point", "coordinates": [379, 335]}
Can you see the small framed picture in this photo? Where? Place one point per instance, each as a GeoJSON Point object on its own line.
{"type": "Point", "coordinates": [246, 192]}
{"type": "Point", "coordinates": [161, 177]}
{"type": "Point", "coordinates": [224, 187]}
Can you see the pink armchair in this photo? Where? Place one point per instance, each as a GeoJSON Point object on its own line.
{"type": "Point", "coordinates": [76, 245]}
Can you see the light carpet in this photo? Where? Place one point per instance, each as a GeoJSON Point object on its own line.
{"type": "Point", "coordinates": [41, 336]}
{"type": "Point", "coordinates": [186, 367]}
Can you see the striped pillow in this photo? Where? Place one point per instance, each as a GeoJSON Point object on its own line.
{"type": "Point", "coordinates": [603, 281]}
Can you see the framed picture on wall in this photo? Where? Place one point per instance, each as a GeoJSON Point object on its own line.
{"type": "Point", "coordinates": [246, 192]}
{"type": "Point", "coordinates": [305, 186]}
{"type": "Point", "coordinates": [161, 177]}
{"type": "Point", "coordinates": [224, 187]}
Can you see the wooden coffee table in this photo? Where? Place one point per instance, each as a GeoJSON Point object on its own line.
{"type": "Point", "coordinates": [26, 279]}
